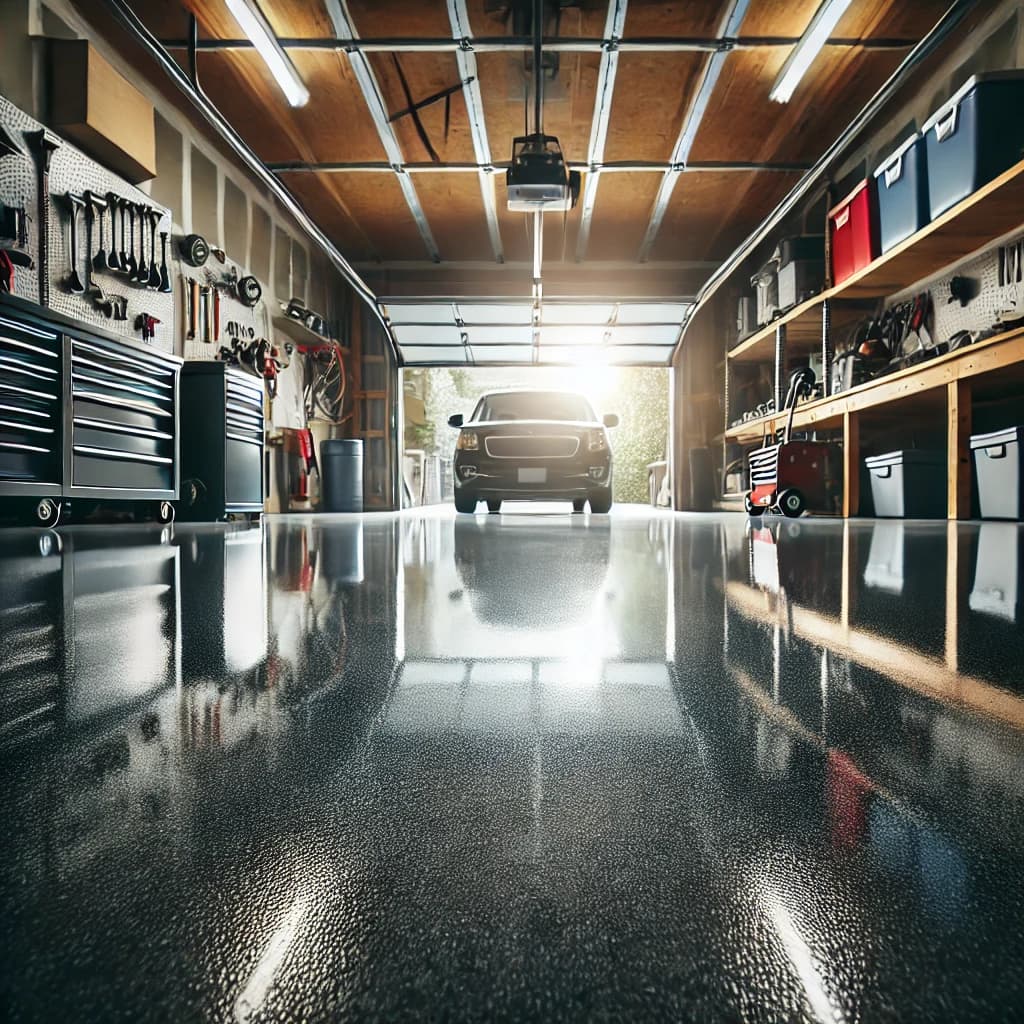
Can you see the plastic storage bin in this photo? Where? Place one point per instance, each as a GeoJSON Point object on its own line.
{"type": "Point", "coordinates": [974, 137]}
{"type": "Point", "coordinates": [766, 282]}
{"type": "Point", "coordinates": [997, 466]}
{"type": "Point", "coordinates": [854, 225]}
{"type": "Point", "coordinates": [341, 470]}
{"type": "Point", "coordinates": [901, 182]}
{"type": "Point", "coordinates": [908, 484]}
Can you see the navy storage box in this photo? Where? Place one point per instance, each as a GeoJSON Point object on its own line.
{"type": "Point", "coordinates": [974, 137]}
{"type": "Point", "coordinates": [997, 465]}
{"type": "Point", "coordinates": [909, 484]}
{"type": "Point", "coordinates": [902, 181]}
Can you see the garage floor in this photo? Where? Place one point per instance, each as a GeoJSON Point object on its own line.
{"type": "Point", "coordinates": [528, 766]}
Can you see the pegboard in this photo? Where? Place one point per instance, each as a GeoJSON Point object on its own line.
{"type": "Point", "coordinates": [72, 171]}
{"type": "Point", "coordinates": [231, 310]}
{"type": "Point", "coordinates": [989, 301]}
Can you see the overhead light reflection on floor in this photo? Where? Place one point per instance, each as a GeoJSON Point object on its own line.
{"type": "Point", "coordinates": [804, 962]}
{"type": "Point", "coordinates": [250, 1000]}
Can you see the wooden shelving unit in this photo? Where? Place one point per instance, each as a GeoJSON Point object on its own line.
{"type": "Point", "coordinates": [971, 224]}
{"type": "Point", "coordinates": [946, 381]}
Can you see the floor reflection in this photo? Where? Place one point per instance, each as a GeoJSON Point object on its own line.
{"type": "Point", "coordinates": [512, 766]}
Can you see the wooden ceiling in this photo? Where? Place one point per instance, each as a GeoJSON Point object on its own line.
{"type": "Point", "coordinates": [372, 219]}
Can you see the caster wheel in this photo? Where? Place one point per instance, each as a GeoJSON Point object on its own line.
{"type": "Point", "coordinates": [752, 509]}
{"type": "Point", "coordinates": [165, 512]}
{"type": "Point", "coordinates": [791, 503]}
{"type": "Point", "coordinates": [578, 503]}
{"type": "Point", "coordinates": [48, 512]}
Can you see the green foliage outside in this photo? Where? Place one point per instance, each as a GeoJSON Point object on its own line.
{"type": "Point", "coordinates": [639, 395]}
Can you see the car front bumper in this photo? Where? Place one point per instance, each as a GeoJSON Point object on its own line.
{"type": "Point", "coordinates": [476, 473]}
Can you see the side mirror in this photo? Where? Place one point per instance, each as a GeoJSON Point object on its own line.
{"type": "Point", "coordinates": [611, 420]}
{"type": "Point", "coordinates": [456, 420]}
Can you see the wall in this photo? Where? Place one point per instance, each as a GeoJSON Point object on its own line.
{"type": "Point", "coordinates": [210, 195]}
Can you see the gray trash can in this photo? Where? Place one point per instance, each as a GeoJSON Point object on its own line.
{"type": "Point", "coordinates": [341, 475]}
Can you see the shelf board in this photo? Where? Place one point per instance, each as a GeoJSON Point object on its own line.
{"type": "Point", "coordinates": [964, 228]}
{"type": "Point", "coordinates": [298, 331]}
{"type": "Point", "coordinates": [993, 354]}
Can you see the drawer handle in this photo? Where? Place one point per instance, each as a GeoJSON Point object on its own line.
{"type": "Point", "coordinates": [842, 218]}
{"type": "Point", "coordinates": [996, 451]}
{"type": "Point", "coordinates": [110, 453]}
{"type": "Point", "coordinates": [882, 472]}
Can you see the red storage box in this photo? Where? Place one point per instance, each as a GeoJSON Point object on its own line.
{"type": "Point", "coordinates": [854, 225]}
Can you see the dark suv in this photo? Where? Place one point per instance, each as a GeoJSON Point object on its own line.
{"type": "Point", "coordinates": [533, 445]}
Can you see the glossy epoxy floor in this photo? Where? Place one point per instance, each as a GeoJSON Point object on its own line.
{"type": "Point", "coordinates": [518, 767]}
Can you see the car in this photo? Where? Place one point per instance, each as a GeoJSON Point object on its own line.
{"type": "Point", "coordinates": [535, 446]}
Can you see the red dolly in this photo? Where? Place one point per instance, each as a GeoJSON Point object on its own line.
{"type": "Point", "coordinates": [789, 476]}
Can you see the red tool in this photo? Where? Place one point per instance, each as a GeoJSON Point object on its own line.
{"type": "Point", "coordinates": [6, 272]}
{"type": "Point", "coordinates": [216, 315]}
{"type": "Point", "coordinates": [791, 475]}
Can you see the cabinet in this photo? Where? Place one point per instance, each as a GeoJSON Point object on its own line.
{"type": "Point", "coordinates": [221, 442]}
{"type": "Point", "coordinates": [84, 416]}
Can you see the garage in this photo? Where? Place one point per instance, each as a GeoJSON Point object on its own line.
{"type": "Point", "coordinates": [510, 510]}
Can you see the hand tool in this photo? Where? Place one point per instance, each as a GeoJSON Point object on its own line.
{"type": "Point", "coordinates": [132, 262]}
{"type": "Point", "coordinates": [206, 299]}
{"type": "Point", "coordinates": [147, 324]}
{"type": "Point", "coordinates": [192, 311]}
{"type": "Point", "coordinates": [113, 202]}
{"type": "Point", "coordinates": [216, 315]}
{"type": "Point", "coordinates": [6, 272]}
{"type": "Point", "coordinates": [165, 279]}
{"type": "Point", "coordinates": [126, 257]}
{"type": "Point", "coordinates": [219, 254]}
{"type": "Point", "coordinates": [155, 216]}
{"type": "Point", "coordinates": [45, 144]}
{"type": "Point", "coordinates": [97, 206]}
{"type": "Point", "coordinates": [120, 307]}
{"type": "Point", "coordinates": [249, 291]}
{"type": "Point", "coordinates": [106, 304]}
{"type": "Point", "coordinates": [142, 267]}
{"type": "Point", "coordinates": [74, 281]}
{"type": "Point", "coordinates": [194, 250]}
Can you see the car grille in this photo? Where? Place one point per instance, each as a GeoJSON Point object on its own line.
{"type": "Point", "coordinates": [524, 447]}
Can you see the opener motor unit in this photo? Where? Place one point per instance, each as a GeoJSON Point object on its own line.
{"type": "Point", "coordinates": [538, 178]}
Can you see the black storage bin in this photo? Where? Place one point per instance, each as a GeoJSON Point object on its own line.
{"type": "Point", "coordinates": [341, 475]}
{"type": "Point", "coordinates": [908, 484]}
{"type": "Point", "coordinates": [798, 281]}
{"type": "Point", "coordinates": [902, 180]}
{"type": "Point", "coordinates": [997, 466]}
{"type": "Point", "coordinates": [974, 137]}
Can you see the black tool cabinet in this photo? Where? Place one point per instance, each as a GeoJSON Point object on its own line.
{"type": "Point", "coordinates": [85, 418]}
{"type": "Point", "coordinates": [222, 470]}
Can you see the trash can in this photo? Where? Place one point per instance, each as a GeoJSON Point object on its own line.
{"type": "Point", "coordinates": [341, 475]}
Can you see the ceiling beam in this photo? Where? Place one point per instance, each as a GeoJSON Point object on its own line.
{"type": "Point", "coordinates": [466, 60]}
{"type": "Point", "coordinates": [613, 28]}
{"type": "Point", "coordinates": [730, 24]}
{"type": "Point", "coordinates": [499, 167]}
{"type": "Point", "coordinates": [337, 11]}
{"type": "Point", "coordinates": [553, 44]}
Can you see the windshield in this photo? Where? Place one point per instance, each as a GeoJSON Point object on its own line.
{"type": "Point", "coordinates": [533, 405]}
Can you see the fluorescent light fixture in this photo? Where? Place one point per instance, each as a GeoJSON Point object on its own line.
{"type": "Point", "coordinates": [804, 53]}
{"type": "Point", "coordinates": [252, 22]}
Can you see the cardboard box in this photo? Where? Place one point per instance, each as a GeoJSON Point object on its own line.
{"type": "Point", "coordinates": [92, 104]}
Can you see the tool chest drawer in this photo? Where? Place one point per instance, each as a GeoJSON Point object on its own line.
{"type": "Point", "coordinates": [123, 422]}
{"type": "Point", "coordinates": [30, 403]}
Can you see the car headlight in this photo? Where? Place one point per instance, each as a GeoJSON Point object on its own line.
{"type": "Point", "coordinates": [596, 441]}
{"type": "Point", "coordinates": [467, 442]}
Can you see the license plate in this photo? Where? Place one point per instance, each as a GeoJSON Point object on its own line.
{"type": "Point", "coordinates": [533, 476]}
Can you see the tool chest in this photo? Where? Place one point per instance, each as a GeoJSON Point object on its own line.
{"type": "Point", "coordinates": [222, 442]}
{"type": "Point", "coordinates": [854, 227]}
{"type": "Point", "coordinates": [84, 416]}
{"type": "Point", "coordinates": [908, 484]}
{"type": "Point", "coordinates": [997, 463]}
{"type": "Point", "coordinates": [901, 182]}
{"type": "Point", "coordinates": [973, 137]}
